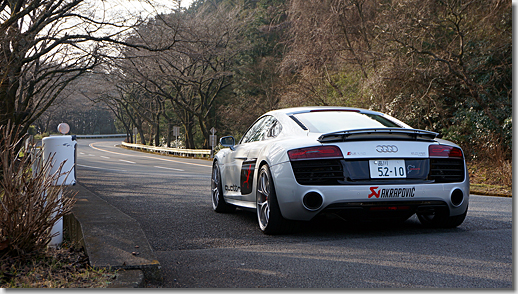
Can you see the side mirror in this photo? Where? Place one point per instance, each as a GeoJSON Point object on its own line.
{"type": "Point", "coordinates": [228, 141]}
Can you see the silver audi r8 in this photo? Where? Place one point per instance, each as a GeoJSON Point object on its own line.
{"type": "Point", "coordinates": [293, 164]}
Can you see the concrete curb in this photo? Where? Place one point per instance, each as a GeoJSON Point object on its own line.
{"type": "Point", "coordinates": [112, 239]}
{"type": "Point", "coordinates": [128, 279]}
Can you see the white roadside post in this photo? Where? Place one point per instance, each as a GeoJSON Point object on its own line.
{"type": "Point", "coordinates": [63, 149]}
{"type": "Point", "coordinates": [213, 141]}
{"type": "Point", "coordinates": [176, 133]}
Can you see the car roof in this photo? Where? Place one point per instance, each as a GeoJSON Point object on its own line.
{"type": "Point", "coordinates": [295, 110]}
{"type": "Point", "coordinates": [288, 112]}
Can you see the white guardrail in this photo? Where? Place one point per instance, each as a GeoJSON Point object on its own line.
{"type": "Point", "coordinates": [100, 136]}
{"type": "Point", "coordinates": [169, 151]}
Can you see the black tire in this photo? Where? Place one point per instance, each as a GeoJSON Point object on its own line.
{"type": "Point", "coordinates": [269, 217]}
{"type": "Point", "coordinates": [218, 202]}
{"type": "Point", "coordinates": [441, 219]}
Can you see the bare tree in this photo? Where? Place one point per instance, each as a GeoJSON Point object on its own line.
{"type": "Point", "coordinates": [330, 38]}
{"type": "Point", "coordinates": [76, 106]}
{"type": "Point", "coordinates": [46, 44]}
{"type": "Point", "coordinates": [448, 67]}
{"type": "Point", "coordinates": [196, 70]}
{"type": "Point", "coordinates": [442, 65]}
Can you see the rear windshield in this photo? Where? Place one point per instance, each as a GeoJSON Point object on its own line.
{"type": "Point", "coordinates": [334, 121]}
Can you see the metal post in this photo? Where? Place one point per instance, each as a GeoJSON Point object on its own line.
{"type": "Point", "coordinates": [212, 140]}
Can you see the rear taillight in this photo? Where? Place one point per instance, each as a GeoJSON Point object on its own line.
{"type": "Point", "coordinates": [443, 151]}
{"type": "Point", "coordinates": [316, 152]}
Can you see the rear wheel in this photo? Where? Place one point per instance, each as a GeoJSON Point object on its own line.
{"type": "Point", "coordinates": [269, 214]}
{"type": "Point", "coordinates": [218, 203]}
{"type": "Point", "coordinates": [441, 219]}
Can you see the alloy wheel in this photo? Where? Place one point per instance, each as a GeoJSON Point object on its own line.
{"type": "Point", "coordinates": [263, 195]}
{"type": "Point", "coordinates": [215, 182]}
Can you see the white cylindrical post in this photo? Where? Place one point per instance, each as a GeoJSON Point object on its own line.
{"type": "Point", "coordinates": [60, 149]}
{"type": "Point", "coordinates": [57, 228]}
{"type": "Point", "coordinates": [63, 148]}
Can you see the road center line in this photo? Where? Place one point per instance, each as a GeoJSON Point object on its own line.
{"type": "Point", "coordinates": [87, 166]}
{"type": "Point", "coordinates": [169, 168]}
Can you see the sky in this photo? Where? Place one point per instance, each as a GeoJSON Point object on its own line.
{"type": "Point", "coordinates": [124, 13]}
{"type": "Point", "coordinates": [142, 8]}
{"type": "Point", "coordinates": [186, 3]}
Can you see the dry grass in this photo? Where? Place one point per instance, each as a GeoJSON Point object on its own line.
{"type": "Point", "coordinates": [30, 205]}
{"type": "Point", "coordinates": [66, 267]}
{"type": "Point", "coordinates": [30, 202]}
{"type": "Point", "coordinates": [491, 177]}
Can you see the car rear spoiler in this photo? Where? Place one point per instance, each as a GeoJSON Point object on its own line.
{"type": "Point", "coordinates": [378, 134]}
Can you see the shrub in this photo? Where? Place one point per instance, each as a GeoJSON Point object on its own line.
{"type": "Point", "coordinates": [30, 204]}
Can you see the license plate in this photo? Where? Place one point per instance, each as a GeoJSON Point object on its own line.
{"type": "Point", "coordinates": [387, 168]}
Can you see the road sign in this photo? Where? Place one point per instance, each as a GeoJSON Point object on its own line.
{"type": "Point", "coordinates": [213, 130]}
{"type": "Point", "coordinates": [213, 140]}
{"type": "Point", "coordinates": [176, 131]}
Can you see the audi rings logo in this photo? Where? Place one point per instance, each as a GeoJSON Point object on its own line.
{"type": "Point", "coordinates": [386, 148]}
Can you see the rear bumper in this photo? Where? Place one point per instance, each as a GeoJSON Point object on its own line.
{"type": "Point", "coordinates": [355, 201]}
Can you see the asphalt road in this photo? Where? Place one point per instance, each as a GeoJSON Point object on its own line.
{"type": "Point", "coordinates": [198, 248]}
